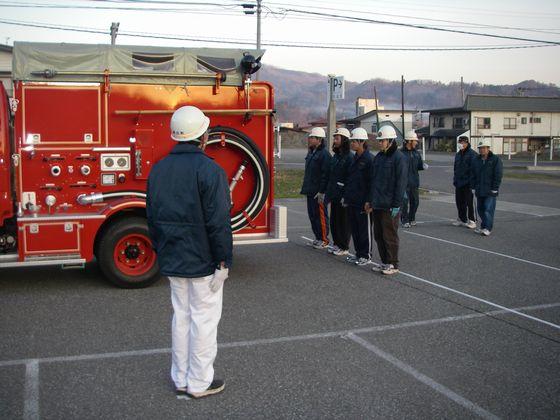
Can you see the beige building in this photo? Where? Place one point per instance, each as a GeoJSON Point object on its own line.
{"type": "Point", "coordinates": [524, 124]}
{"type": "Point", "coordinates": [6, 67]}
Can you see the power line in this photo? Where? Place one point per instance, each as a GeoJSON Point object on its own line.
{"type": "Point", "coordinates": [418, 26]}
{"type": "Point", "coordinates": [269, 43]}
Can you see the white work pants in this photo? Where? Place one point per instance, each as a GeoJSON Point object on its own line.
{"type": "Point", "coordinates": [197, 312]}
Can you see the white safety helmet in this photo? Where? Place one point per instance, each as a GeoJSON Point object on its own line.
{"type": "Point", "coordinates": [411, 135]}
{"type": "Point", "coordinates": [342, 132]}
{"type": "Point", "coordinates": [484, 143]}
{"type": "Point", "coordinates": [317, 132]}
{"type": "Point", "coordinates": [359, 133]}
{"type": "Point", "coordinates": [188, 123]}
{"type": "Point", "coordinates": [386, 133]}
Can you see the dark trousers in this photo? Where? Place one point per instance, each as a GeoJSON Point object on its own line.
{"type": "Point", "coordinates": [340, 225]}
{"type": "Point", "coordinates": [319, 218]}
{"type": "Point", "coordinates": [410, 205]}
{"type": "Point", "coordinates": [464, 201]}
{"type": "Point", "coordinates": [361, 231]}
{"type": "Point", "coordinates": [486, 207]}
{"type": "Point", "coordinates": [386, 236]}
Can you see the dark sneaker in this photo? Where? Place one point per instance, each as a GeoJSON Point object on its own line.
{"type": "Point", "coordinates": [215, 387]}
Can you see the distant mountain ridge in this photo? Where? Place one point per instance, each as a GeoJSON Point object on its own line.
{"type": "Point", "coordinates": [301, 97]}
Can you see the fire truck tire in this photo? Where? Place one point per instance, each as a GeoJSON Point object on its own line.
{"type": "Point", "coordinates": [125, 254]}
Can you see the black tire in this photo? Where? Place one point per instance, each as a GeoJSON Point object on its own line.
{"type": "Point", "coordinates": [110, 239]}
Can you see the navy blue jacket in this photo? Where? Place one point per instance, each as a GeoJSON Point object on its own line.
{"type": "Point", "coordinates": [462, 166]}
{"type": "Point", "coordinates": [486, 175]}
{"type": "Point", "coordinates": [338, 174]}
{"type": "Point", "coordinates": [316, 177]}
{"type": "Point", "coordinates": [414, 164]}
{"type": "Point", "coordinates": [359, 180]}
{"type": "Point", "coordinates": [389, 179]}
{"type": "Point", "coordinates": [188, 206]}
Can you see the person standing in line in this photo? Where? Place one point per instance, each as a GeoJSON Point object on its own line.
{"type": "Point", "coordinates": [486, 178]}
{"type": "Point", "coordinates": [461, 181]}
{"type": "Point", "coordinates": [388, 184]}
{"type": "Point", "coordinates": [355, 196]}
{"type": "Point", "coordinates": [415, 164]}
{"type": "Point", "coordinates": [188, 211]}
{"type": "Point", "coordinates": [338, 174]}
{"type": "Point", "coordinates": [315, 179]}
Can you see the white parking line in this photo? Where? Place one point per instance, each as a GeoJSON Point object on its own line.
{"type": "Point", "coordinates": [31, 393]}
{"type": "Point", "coordinates": [274, 340]}
{"type": "Point", "coordinates": [482, 250]}
{"type": "Point", "coordinates": [449, 289]}
{"type": "Point", "coordinates": [436, 386]}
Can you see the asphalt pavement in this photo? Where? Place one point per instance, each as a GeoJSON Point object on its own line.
{"type": "Point", "coordinates": [469, 328]}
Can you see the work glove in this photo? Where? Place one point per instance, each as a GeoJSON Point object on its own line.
{"type": "Point", "coordinates": [342, 203]}
{"type": "Point", "coordinates": [320, 197]}
{"type": "Point", "coordinates": [368, 208]}
{"type": "Point", "coordinates": [425, 166]}
{"type": "Point", "coordinates": [220, 275]}
{"type": "Point", "coordinates": [394, 211]}
{"type": "Point", "coordinates": [494, 193]}
{"type": "Point", "coordinates": [405, 196]}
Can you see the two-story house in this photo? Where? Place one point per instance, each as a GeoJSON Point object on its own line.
{"type": "Point", "coordinates": [386, 117]}
{"type": "Point", "coordinates": [521, 123]}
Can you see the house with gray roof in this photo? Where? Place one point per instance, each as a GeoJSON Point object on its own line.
{"type": "Point", "coordinates": [515, 124]}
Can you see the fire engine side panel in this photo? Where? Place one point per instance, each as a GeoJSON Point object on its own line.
{"type": "Point", "coordinates": [6, 206]}
{"type": "Point", "coordinates": [113, 147]}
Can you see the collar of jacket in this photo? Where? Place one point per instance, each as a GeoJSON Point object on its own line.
{"type": "Point", "coordinates": [392, 148]}
{"type": "Point", "coordinates": [490, 154]}
{"type": "Point", "coordinates": [185, 148]}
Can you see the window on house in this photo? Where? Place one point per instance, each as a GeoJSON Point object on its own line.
{"type": "Point", "coordinates": [535, 120]}
{"type": "Point", "coordinates": [510, 123]}
{"type": "Point", "coordinates": [482, 122]}
{"type": "Point", "coordinates": [523, 120]}
{"type": "Point", "coordinates": [458, 123]}
{"type": "Point", "coordinates": [441, 122]}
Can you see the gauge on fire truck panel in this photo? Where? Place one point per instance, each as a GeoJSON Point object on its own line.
{"type": "Point", "coordinates": [108, 179]}
{"type": "Point", "coordinates": [115, 162]}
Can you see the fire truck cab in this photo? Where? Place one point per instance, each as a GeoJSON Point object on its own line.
{"type": "Point", "coordinates": [85, 125]}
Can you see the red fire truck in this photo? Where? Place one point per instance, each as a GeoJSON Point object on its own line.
{"type": "Point", "coordinates": [85, 125]}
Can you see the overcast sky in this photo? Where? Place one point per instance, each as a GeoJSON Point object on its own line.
{"type": "Point", "coordinates": [224, 20]}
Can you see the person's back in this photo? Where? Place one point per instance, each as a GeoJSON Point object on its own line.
{"type": "Point", "coordinates": [185, 184]}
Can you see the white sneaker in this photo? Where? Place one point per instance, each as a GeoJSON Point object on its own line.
{"type": "Point", "coordinates": [406, 225]}
{"type": "Point", "coordinates": [471, 224]}
{"type": "Point", "coordinates": [457, 222]}
{"type": "Point", "coordinates": [362, 261]}
{"type": "Point", "coordinates": [477, 230]}
{"type": "Point", "coordinates": [413, 223]}
{"type": "Point", "coordinates": [389, 269]}
{"type": "Point", "coordinates": [485, 232]}
{"type": "Point", "coordinates": [340, 252]}
{"type": "Point", "coordinates": [331, 249]}
{"type": "Point", "coordinates": [351, 259]}
{"type": "Point", "coordinates": [320, 245]}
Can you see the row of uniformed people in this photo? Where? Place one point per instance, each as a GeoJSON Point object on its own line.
{"type": "Point", "coordinates": [366, 193]}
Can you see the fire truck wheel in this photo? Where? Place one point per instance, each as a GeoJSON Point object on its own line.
{"type": "Point", "coordinates": [126, 256]}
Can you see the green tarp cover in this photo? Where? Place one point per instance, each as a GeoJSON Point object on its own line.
{"type": "Point", "coordinates": [133, 64]}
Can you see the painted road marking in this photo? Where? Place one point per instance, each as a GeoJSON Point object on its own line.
{"type": "Point", "coordinates": [273, 340]}
{"type": "Point", "coordinates": [436, 386]}
{"type": "Point", "coordinates": [482, 250]}
{"type": "Point", "coordinates": [31, 391]}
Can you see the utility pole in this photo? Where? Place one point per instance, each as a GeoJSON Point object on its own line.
{"type": "Point", "coordinates": [462, 92]}
{"type": "Point", "coordinates": [376, 109]}
{"type": "Point", "coordinates": [259, 10]}
{"type": "Point", "coordinates": [402, 104]}
{"type": "Point", "coordinates": [331, 114]}
{"type": "Point", "coordinates": [114, 30]}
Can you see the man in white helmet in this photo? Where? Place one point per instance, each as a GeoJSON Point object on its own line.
{"type": "Point", "coordinates": [315, 179]}
{"type": "Point", "coordinates": [356, 195]}
{"type": "Point", "coordinates": [338, 175]}
{"type": "Point", "coordinates": [388, 185]}
{"type": "Point", "coordinates": [414, 164]}
{"type": "Point", "coordinates": [486, 178]}
{"type": "Point", "coordinates": [188, 209]}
